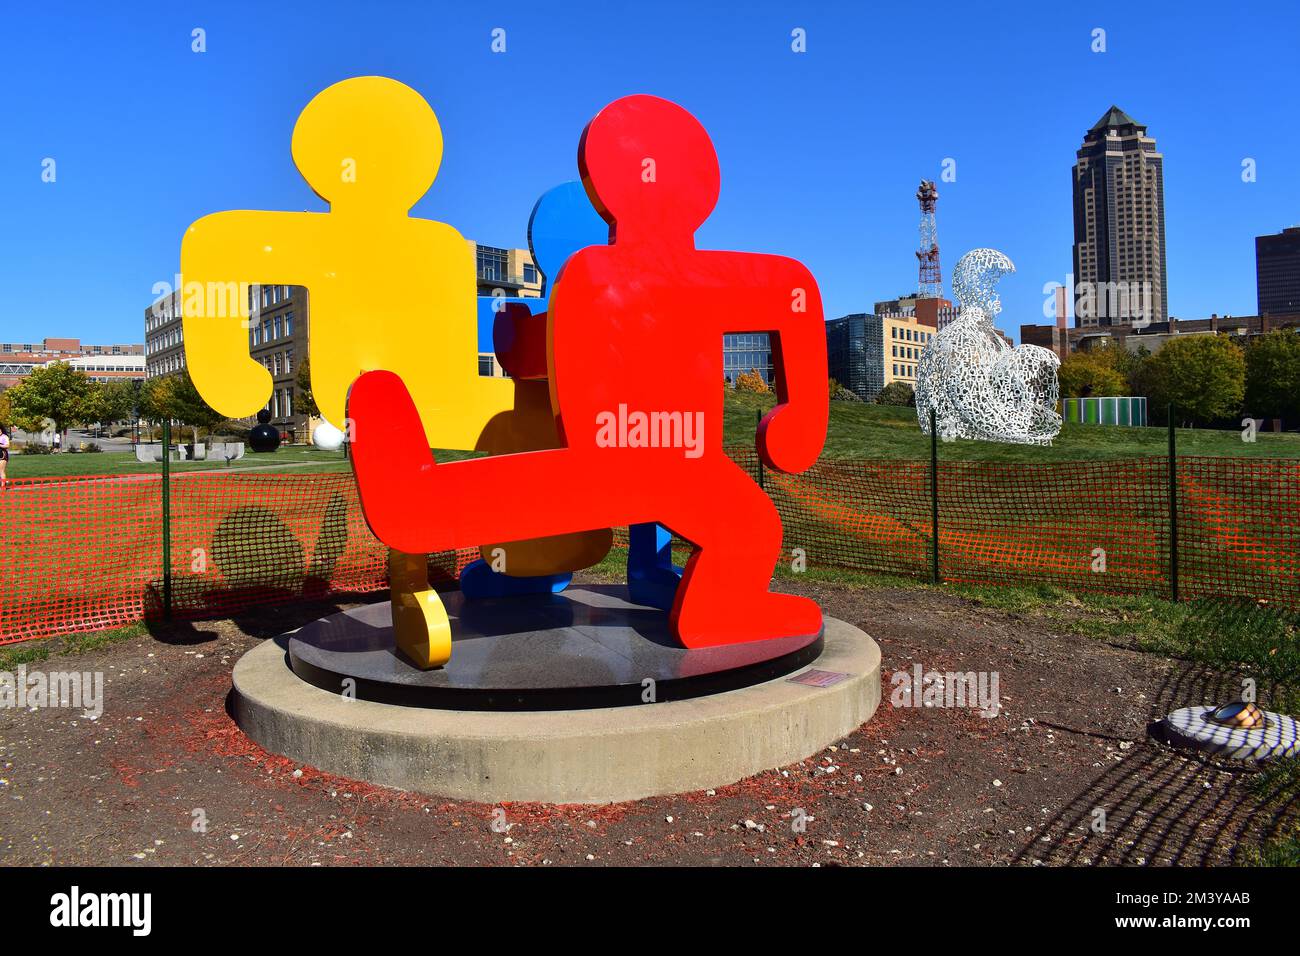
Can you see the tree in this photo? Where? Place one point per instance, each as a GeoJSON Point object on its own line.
{"type": "Point", "coordinates": [306, 401]}
{"type": "Point", "coordinates": [56, 392]}
{"type": "Point", "coordinates": [1086, 373]}
{"type": "Point", "coordinates": [751, 381]}
{"type": "Point", "coordinates": [174, 398]}
{"type": "Point", "coordinates": [157, 399]}
{"type": "Point", "coordinates": [6, 409]}
{"type": "Point", "coordinates": [896, 393]}
{"type": "Point", "coordinates": [110, 401]}
{"type": "Point", "coordinates": [117, 399]}
{"type": "Point", "coordinates": [189, 406]}
{"type": "Point", "coordinates": [1273, 376]}
{"type": "Point", "coordinates": [1204, 376]}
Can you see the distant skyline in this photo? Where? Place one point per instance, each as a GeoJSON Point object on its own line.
{"type": "Point", "coordinates": [820, 151]}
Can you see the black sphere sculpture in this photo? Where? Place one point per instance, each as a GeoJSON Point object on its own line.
{"type": "Point", "coordinates": [262, 437]}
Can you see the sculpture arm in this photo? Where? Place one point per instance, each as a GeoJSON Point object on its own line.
{"type": "Point", "coordinates": [221, 255]}
{"type": "Point", "coordinates": [791, 435]}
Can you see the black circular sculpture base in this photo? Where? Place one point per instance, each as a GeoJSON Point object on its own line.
{"type": "Point", "coordinates": [583, 648]}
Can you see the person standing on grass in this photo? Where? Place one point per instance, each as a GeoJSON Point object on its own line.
{"type": "Point", "coordinates": [4, 455]}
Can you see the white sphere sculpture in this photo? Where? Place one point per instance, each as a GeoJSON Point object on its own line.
{"type": "Point", "coordinates": [325, 436]}
{"type": "Point", "coordinates": [978, 385]}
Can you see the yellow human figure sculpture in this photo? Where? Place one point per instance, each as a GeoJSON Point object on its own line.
{"type": "Point", "coordinates": [387, 291]}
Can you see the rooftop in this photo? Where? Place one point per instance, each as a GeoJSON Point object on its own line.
{"type": "Point", "coordinates": [1114, 117]}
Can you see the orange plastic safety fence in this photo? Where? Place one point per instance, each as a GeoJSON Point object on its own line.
{"type": "Point", "coordinates": [87, 553]}
{"type": "Point", "coordinates": [76, 554]}
{"type": "Point", "coordinates": [1100, 526]}
{"type": "Point", "coordinates": [1239, 528]}
{"type": "Point", "coordinates": [81, 554]}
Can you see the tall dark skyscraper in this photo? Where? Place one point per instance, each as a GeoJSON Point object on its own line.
{"type": "Point", "coordinates": [1277, 271]}
{"type": "Point", "coordinates": [1119, 225]}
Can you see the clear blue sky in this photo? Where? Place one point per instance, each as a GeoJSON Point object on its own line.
{"type": "Point", "coordinates": [820, 151]}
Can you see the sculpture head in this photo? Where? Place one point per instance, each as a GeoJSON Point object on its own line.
{"type": "Point", "coordinates": [976, 277]}
{"type": "Point", "coordinates": [562, 222]}
{"type": "Point", "coordinates": [649, 168]}
{"type": "Point", "coordinates": [369, 142]}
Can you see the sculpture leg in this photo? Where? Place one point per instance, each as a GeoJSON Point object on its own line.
{"type": "Point", "coordinates": [420, 622]}
{"type": "Point", "coordinates": [652, 578]}
{"type": "Point", "coordinates": [724, 596]}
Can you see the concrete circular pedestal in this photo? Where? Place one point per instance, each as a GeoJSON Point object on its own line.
{"type": "Point", "coordinates": [787, 701]}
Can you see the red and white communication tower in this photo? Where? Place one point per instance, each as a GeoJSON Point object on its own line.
{"type": "Point", "coordinates": [927, 254]}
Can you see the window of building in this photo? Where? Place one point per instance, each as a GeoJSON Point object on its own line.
{"type": "Point", "coordinates": [288, 361]}
{"type": "Point", "coordinates": [493, 264]}
{"type": "Point", "coordinates": [288, 323]}
{"type": "Point", "coordinates": [530, 272]}
{"type": "Point", "coordinates": [485, 365]}
{"type": "Point", "coordinates": [279, 327]}
{"type": "Point", "coordinates": [276, 363]}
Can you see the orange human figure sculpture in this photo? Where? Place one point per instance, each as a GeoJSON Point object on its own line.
{"type": "Point", "coordinates": [635, 357]}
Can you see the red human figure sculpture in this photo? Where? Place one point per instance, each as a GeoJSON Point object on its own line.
{"type": "Point", "coordinates": [635, 359]}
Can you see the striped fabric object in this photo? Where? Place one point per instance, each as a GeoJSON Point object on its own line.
{"type": "Point", "coordinates": [1193, 727]}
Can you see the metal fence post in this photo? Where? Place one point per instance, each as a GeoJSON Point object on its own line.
{"type": "Point", "coordinates": [758, 420]}
{"type": "Point", "coordinates": [167, 519]}
{"type": "Point", "coordinates": [934, 500]}
{"type": "Point", "coordinates": [1173, 508]}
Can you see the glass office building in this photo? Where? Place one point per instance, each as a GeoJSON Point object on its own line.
{"type": "Point", "coordinates": [854, 346]}
{"type": "Point", "coordinates": [746, 352]}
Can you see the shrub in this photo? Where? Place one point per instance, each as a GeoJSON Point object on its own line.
{"type": "Point", "coordinates": [896, 393]}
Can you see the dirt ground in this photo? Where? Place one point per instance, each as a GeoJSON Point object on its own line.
{"type": "Point", "coordinates": [913, 786]}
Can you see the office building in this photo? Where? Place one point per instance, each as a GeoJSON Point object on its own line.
{"type": "Point", "coordinates": [744, 352]}
{"type": "Point", "coordinates": [1119, 225]}
{"type": "Point", "coordinates": [1277, 272]}
{"type": "Point", "coordinates": [865, 352]}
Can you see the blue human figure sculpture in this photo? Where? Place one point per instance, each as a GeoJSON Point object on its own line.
{"type": "Point", "coordinates": [562, 222]}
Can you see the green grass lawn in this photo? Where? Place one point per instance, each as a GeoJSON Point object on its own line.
{"type": "Point", "coordinates": [287, 459]}
{"type": "Point", "coordinates": [856, 431]}
{"type": "Point", "coordinates": [883, 432]}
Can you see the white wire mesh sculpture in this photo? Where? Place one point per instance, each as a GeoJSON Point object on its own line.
{"type": "Point", "coordinates": [978, 385]}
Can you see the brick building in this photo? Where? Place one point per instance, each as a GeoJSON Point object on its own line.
{"type": "Point", "coordinates": [100, 362]}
